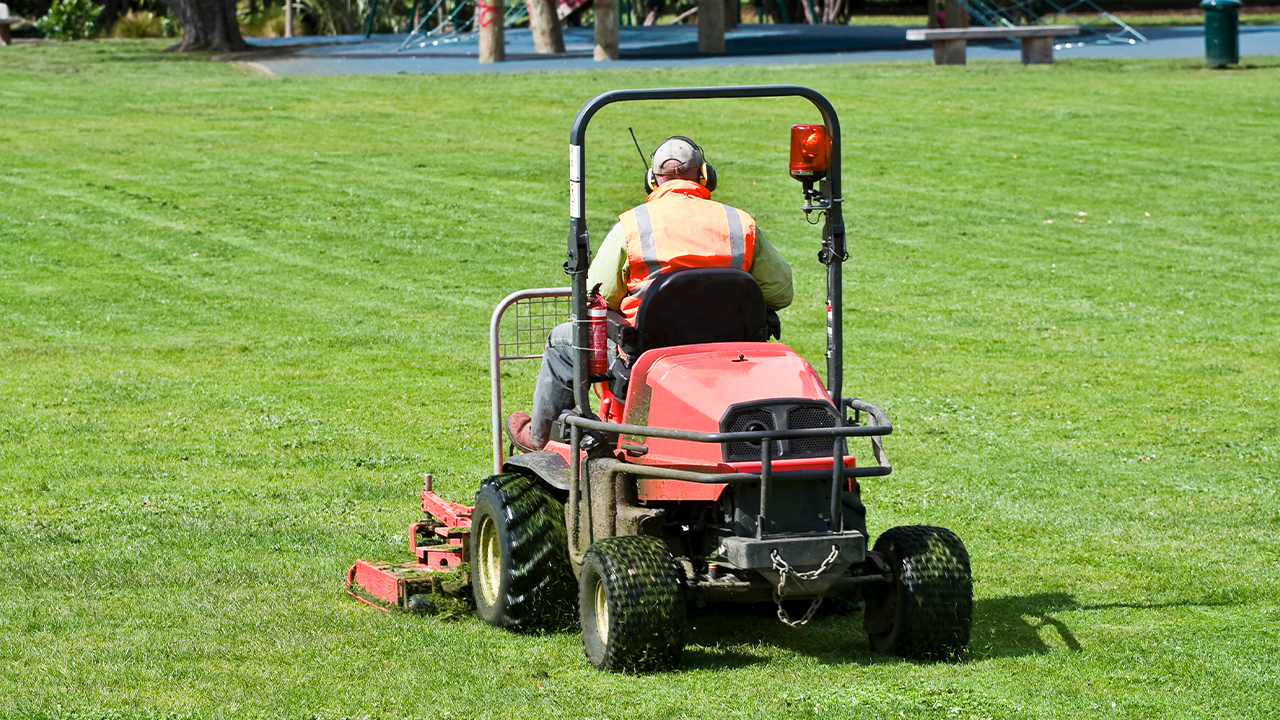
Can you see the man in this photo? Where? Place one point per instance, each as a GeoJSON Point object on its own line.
{"type": "Point", "coordinates": [678, 226]}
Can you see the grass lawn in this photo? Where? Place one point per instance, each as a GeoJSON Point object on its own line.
{"type": "Point", "coordinates": [241, 315]}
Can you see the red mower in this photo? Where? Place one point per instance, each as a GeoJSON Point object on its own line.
{"type": "Point", "coordinates": [715, 469]}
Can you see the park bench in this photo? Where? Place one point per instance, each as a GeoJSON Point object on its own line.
{"type": "Point", "coordinates": [1037, 41]}
{"type": "Point", "coordinates": [6, 37]}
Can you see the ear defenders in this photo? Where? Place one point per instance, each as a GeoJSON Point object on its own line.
{"type": "Point", "coordinates": [706, 173]}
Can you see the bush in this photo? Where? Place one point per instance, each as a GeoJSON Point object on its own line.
{"type": "Point", "coordinates": [268, 22]}
{"type": "Point", "coordinates": [70, 20]}
{"type": "Point", "coordinates": [138, 25]}
{"type": "Point", "coordinates": [170, 25]}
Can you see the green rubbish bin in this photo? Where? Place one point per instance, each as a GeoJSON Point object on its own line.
{"type": "Point", "coordinates": [1221, 32]}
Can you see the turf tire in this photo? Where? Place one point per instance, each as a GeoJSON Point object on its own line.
{"type": "Point", "coordinates": [520, 574]}
{"type": "Point", "coordinates": [640, 589]}
{"type": "Point", "coordinates": [926, 612]}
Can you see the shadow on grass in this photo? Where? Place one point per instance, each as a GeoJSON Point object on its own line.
{"type": "Point", "coordinates": [731, 636]}
{"type": "Point", "coordinates": [723, 637]}
{"type": "Point", "coordinates": [1013, 626]}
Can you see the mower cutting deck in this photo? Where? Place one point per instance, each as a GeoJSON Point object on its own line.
{"type": "Point", "coordinates": [711, 466]}
{"type": "Point", "coordinates": [438, 541]}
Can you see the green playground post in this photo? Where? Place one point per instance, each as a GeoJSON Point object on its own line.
{"type": "Point", "coordinates": [368, 25]}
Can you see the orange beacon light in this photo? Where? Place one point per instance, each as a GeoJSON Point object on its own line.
{"type": "Point", "coordinates": [810, 150]}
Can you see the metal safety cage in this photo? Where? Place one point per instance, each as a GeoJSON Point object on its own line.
{"type": "Point", "coordinates": [579, 246]}
{"type": "Point", "coordinates": [537, 311]}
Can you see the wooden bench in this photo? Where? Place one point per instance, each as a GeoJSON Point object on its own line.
{"type": "Point", "coordinates": [6, 37]}
{"type": "Point", "coordinates": [1037, 41]}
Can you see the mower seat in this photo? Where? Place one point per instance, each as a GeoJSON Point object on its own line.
{"type": "Point", "coordinates": [688, 306]}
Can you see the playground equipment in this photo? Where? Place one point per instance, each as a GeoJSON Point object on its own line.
{"type": "Point", "coordinates": [1101, 27]}
{"type": "Point", "coordinates": [440, 22]}
{"type": "Point", "coordinates": [715, 467]}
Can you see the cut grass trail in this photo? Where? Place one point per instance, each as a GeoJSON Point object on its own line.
{"type": "Point", "coordinates": [241, 315]}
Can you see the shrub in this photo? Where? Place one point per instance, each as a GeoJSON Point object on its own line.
{"type": "Point", "coordinates": [171, 25]}
{"type": "Point", "coordinates": [138, 25]}
{"type": "Point", "coordinates": [267, 22]}
{"type": "Point", "coordinates": [70, 20]}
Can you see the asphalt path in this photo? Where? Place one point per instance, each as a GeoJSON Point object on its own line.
{"type": "Point", "coordinates": [676, 46]}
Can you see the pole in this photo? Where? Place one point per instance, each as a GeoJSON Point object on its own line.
{"type": "Point", "coordinates": [711, 27]}
{"type": "Point", "coordinates": [956, 15]}
{"type": "Point", "coordinates": [545, 27]}
{"type": "Point", "coordinates": [288, 18]}
{"type": "Point", "coordinates": [606, 12]}
{"type": "Point", "coordinates": [373, 15]}
{"type": "Point", "coordinates": [489, 18]}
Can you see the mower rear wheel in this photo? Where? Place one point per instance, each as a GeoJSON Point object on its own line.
{"type": "Point", "coordinates": [926, 612]}
{"type": "Point", "coordinates": [631, 604]}
{"type": "Point", "coordinates": [520, 574]}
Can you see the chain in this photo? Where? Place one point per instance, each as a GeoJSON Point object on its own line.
{"type": "Point", "coordinates": [783, 570]}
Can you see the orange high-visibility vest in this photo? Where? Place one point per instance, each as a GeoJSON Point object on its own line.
{"type": "Point", "coordinates": [680, 226]}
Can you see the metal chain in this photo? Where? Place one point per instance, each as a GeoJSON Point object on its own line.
{"type": "Point", "coordinates": [783, 570]}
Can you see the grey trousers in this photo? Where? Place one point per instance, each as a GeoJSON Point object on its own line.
{"type": "Point", "coordinates": [553, 393]}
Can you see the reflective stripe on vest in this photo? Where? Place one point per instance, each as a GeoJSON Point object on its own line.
{"type": "Point", "coordinates": [679, 226]}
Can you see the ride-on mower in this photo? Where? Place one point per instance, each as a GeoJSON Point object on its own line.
{"type": "Point", "coordinates": [714, 469]}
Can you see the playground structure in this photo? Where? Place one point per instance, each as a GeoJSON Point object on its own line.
{"type": "Point", "coordinates": [448, 21]}
{"type": "Point", "coordinates": [440, 22]}
{"type": "Point", "coordinates": [1095, 24]}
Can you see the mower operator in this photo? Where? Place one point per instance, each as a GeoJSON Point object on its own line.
{"type": "Point", "coordinates": [678, 226]}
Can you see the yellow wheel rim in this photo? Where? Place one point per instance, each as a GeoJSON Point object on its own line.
{"type": "Point", "coordinates": [489, 556]}
{"type": "Point", "coordinates": [602, 611]}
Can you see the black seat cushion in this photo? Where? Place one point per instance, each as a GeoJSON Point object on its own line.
{"type": "Point", "coordinates": [700, 305]}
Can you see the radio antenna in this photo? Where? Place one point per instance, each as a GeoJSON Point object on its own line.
{"type": "Point", "coordinates": [637, 142]}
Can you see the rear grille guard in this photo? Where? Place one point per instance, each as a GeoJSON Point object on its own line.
{"type": "Point", "coordinates": [776, 414]}
{"type": "Point", "coordinates": [765, 438]}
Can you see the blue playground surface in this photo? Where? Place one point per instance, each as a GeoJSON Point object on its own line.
{"type": "Point", "coordinates": [677, 46]}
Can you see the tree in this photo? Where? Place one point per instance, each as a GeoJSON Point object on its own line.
{"type": "Point", "coordinates": [208, 25]}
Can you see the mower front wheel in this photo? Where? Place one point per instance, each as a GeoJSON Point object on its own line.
{"type": "Point", "coordinates": [631, 604]}
{"type": "Point", "coordinates": [520, 574]}
{"type": "Point", "coordinates": [926, 611]}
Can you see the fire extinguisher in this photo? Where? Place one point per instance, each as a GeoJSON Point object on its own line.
{"type": "Point", "coordinates": [596, 311]}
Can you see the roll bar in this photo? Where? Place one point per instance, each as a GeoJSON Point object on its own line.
{"type": "Point", "coordinates": [579, 246]}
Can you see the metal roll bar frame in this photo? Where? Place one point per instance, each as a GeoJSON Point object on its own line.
{"type": "Point", "coordinates": [832, 254]}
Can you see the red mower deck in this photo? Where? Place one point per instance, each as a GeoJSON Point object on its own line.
{"type": "Point", "coordinates": [438, 541]}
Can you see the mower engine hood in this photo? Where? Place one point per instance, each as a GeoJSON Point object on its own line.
{"type": "Point", "coordinates": [692, 386]}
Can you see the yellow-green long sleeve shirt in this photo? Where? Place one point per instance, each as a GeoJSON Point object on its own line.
{"type": "Point", "coordinates": [610, 270]}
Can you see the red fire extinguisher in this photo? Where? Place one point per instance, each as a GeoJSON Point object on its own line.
{"type": "Point", "coordinates": [596, 311]}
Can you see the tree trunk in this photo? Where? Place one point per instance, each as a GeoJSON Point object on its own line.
{"type": "Point", "coordinates": [606, 12]}
{"type": "Point", "coordinates": [112, 10]}
{"type": "Point", "coordinates": [711, 27]}
{"type": "Point", "coordinates": [732, 13]}
{"type": "Point", "coordinates": [493, 46]}
{"type": "Point", "coordinates": [208, 25]}
{"type": "Point", "coordinates": [808, 15]}
{"type": "Point", "coordinates": [834, 13]}
{"type": "Point", "coordinates": [545, 27]}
